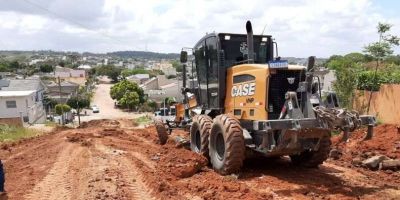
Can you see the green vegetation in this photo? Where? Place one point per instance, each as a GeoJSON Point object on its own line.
{"type": "Point", "coordinates": [128, 94]}
{"type": "Point", "coordinates": [12, 133]}
{"type": "Point", "coordinates": [62, 108]}
{"type": "Point", "coordinates": [129, 100]}
{"type": "Point", "coordinates": [109, 70]}
{"type": "Point", "coordinates": [46, 68]}
{"type": "Point", "coordinates": [142, 120]}
{"type": "Point", "coordinates": [358, 71]}
{"type": "Point", "coordinates": [78, 103]}
{"type": "Point", "coordinates": [177, 65]}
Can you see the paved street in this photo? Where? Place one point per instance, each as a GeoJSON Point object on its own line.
{"type": "Point", "coordinates": [103, 100]}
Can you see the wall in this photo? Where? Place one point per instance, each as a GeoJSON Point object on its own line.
{"type": "Point", "coordinates": [385, 104]}
{"type": "Point", "coordinates": [16, 121]}
{"type": "Point", "coordinates": [78, 80]}
{"type": "Point", "coordinates": [34, 110]}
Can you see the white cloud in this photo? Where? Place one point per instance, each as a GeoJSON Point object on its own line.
{"type": "Point", "coordinates": [301, 28]}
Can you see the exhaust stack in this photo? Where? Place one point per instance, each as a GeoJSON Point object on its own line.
{"type": "Point", "coordinates": [250, 47]}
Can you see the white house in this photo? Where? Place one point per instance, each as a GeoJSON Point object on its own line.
{"type": "Point", "coordinates": [22, 101]}
{"type": "Point", "coordinates": [21, 105]}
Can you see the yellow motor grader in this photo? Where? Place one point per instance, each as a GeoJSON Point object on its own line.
{"type": "Point", "coordinates": [242, 97]}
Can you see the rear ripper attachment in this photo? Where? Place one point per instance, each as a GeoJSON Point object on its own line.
{"type": "Point", "coordinates": [241, 98]}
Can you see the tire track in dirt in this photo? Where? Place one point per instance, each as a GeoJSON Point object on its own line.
{"type": "Point", "coordinates": [58, 184]}
{"type": "Point", "coordinates": [127, 175]}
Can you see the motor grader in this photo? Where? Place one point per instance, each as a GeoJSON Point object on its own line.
{"type": "Point", "coordinates": [242, 98]}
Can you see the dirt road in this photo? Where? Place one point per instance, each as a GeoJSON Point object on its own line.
{"type": "Point", "coordinates": [103, 100]}
{"type": "Point", "coordinates": [114, 160]}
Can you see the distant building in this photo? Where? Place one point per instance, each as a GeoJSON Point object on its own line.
{"type": "Point", "coordinates": [21, 101]}
{"type": "Point", "coordinates": [71, 75]}
{"type": "Point", "coordinates": [138, 78]}
{"type": "Point", "coordinates": [158, 88]}
{"type": "Point", "coordinates": [61, 93]}
{"type": "Point", "coordinates": [169, 71]}
{"type": "Point", "coordinates": [85, 67]}
{"type": "Point", "coordinates": [326, 77]}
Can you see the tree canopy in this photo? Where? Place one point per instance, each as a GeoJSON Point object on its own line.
{"type": "Point", "coordinates": [62, 108]}
{"type": "Point", "coordinates": [111, 71]}
{"type": "Point", "coordinates": [124, 90]}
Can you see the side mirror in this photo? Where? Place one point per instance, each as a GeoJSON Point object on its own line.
{"type": "Point", "coordinates": [184, 55]}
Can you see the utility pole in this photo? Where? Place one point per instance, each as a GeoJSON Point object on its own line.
{"type": "Point", "coordinates": [62, 107]}
{"type": "Point", "coordinates": [78, 107]}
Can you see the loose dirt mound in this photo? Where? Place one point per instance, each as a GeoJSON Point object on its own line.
{"type": "Point", "coordinates": [97, 123]}
{"type": "Point", "coordinates": [386, 141]}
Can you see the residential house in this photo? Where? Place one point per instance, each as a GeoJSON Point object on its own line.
{"type": "Point", "coordinates": [138, 78]}
{"type": "Point", "coordinates": [21, 101]}
{"type": "Point", "coordinates": [61, 92]}
{"type": "Point", "coordinates": [158, 88]}
{"type": "Point", "coordinates": [71, 75]}
{"type": "Point", "coordinates": [168, 71]}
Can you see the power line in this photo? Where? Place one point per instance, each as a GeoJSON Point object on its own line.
{"type": "Point", "coordinates": [73, 22]}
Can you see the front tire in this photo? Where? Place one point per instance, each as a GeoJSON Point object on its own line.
{"type": "Point", "coordinates": [226, 147]}
{"type": "Point", "coordinates": [313, 159]}
{"type": "Point", "coordinates": [199, 133]}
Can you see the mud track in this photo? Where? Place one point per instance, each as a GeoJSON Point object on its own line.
{"type": "Point", "coordinates": [113, 160]}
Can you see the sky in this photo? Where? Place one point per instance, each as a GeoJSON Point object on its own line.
{"type": "Point", "coordinates": [301, 28]}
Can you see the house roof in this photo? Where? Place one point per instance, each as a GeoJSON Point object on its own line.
{"type": "Point", "coordinates": [84, 67]}
{"type": "Point", "coordinates": [15, 93]}
{"type": "Point", "coordinates": [4, 83]}
{"type": "Point", "coordinates": [63, 83]}
{"type": "Point", "coordinates": [24, 85]}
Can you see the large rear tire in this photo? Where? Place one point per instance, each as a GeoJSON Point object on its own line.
{"type": "Point", "coordinates": [199, 133]}
{"type": "Point", "coordinates": [227, 147]}
{"type": "Point", "coordinates": [313, 159]}
{"type": "Point", "coordinates": [161, 132]}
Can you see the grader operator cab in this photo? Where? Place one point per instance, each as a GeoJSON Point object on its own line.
{"type": "Point", "coordinates": [244, 98]}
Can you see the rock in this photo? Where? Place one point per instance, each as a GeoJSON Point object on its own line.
{"type": "Point", "coordinates": [390, 164]}
{"type": "Point", "coordinates": [357, 161]}
{"type": "Point", "coordinates": [373, 162]}
{"type": "Point", "coordinates": [156, 158]}
{"type": "Point", "coordinates": [335, 154]}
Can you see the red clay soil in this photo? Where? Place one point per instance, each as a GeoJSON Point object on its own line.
{"type": "Point", "coordinates": [386, 141]}
{"type": "Point", "coordinates": [113, 160]}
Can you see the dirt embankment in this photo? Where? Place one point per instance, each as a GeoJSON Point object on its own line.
{"type": "Point", "coordinates": [113, 160]}
{"type": "Point", "coordinates": [356, 151]}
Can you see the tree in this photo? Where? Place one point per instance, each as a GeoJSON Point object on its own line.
{"type": "Point", "coordinates": [4, 67]}
{"type": "Point", "coordinates": [109, 70]}
{"type": "Point", "coordinates": [62, 64]}
{"type": "Point", "coordinates": [14, 65]}
{"type": "Point", "coordinates": [78, 103]}
{"type": "Point", "coordinates": [152, 104]}
{"type": "Point", "coordinates": [46, 68]}
{"type": "Point", "coordinates": [171, 76]}
{"type": "Point", "coordinates": [346, 70]}
{"type": "Point", "coordinates": [130, 100]}
{"type": "Point", "coordinates": [381, 49]}
{"type": "Point", "coordinates": [177, 65]}
{"type": "Point", "coordinates": [120, 89]}
{"type": "Point", "coordinates": [62, 108]}
{"type": "Point", "coordinates": [345, 85]}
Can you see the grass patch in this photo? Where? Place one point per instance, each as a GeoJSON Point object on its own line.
{"type": "Point", "coordinates": [12, 133]}
{"type": "Point", "coordinates": [142, 120]}
{"type": "Point", "coordinates": [50, 123]}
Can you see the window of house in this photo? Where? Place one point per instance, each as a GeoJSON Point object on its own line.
{"type": "Point", "coordinates": [11, 104]}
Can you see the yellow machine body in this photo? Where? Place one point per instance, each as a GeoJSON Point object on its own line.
{"type": "Point", "coordinates": [247, 90]}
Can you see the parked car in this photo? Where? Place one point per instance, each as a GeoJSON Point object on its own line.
{"type": "Point", "coordinates": [95, 109]}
